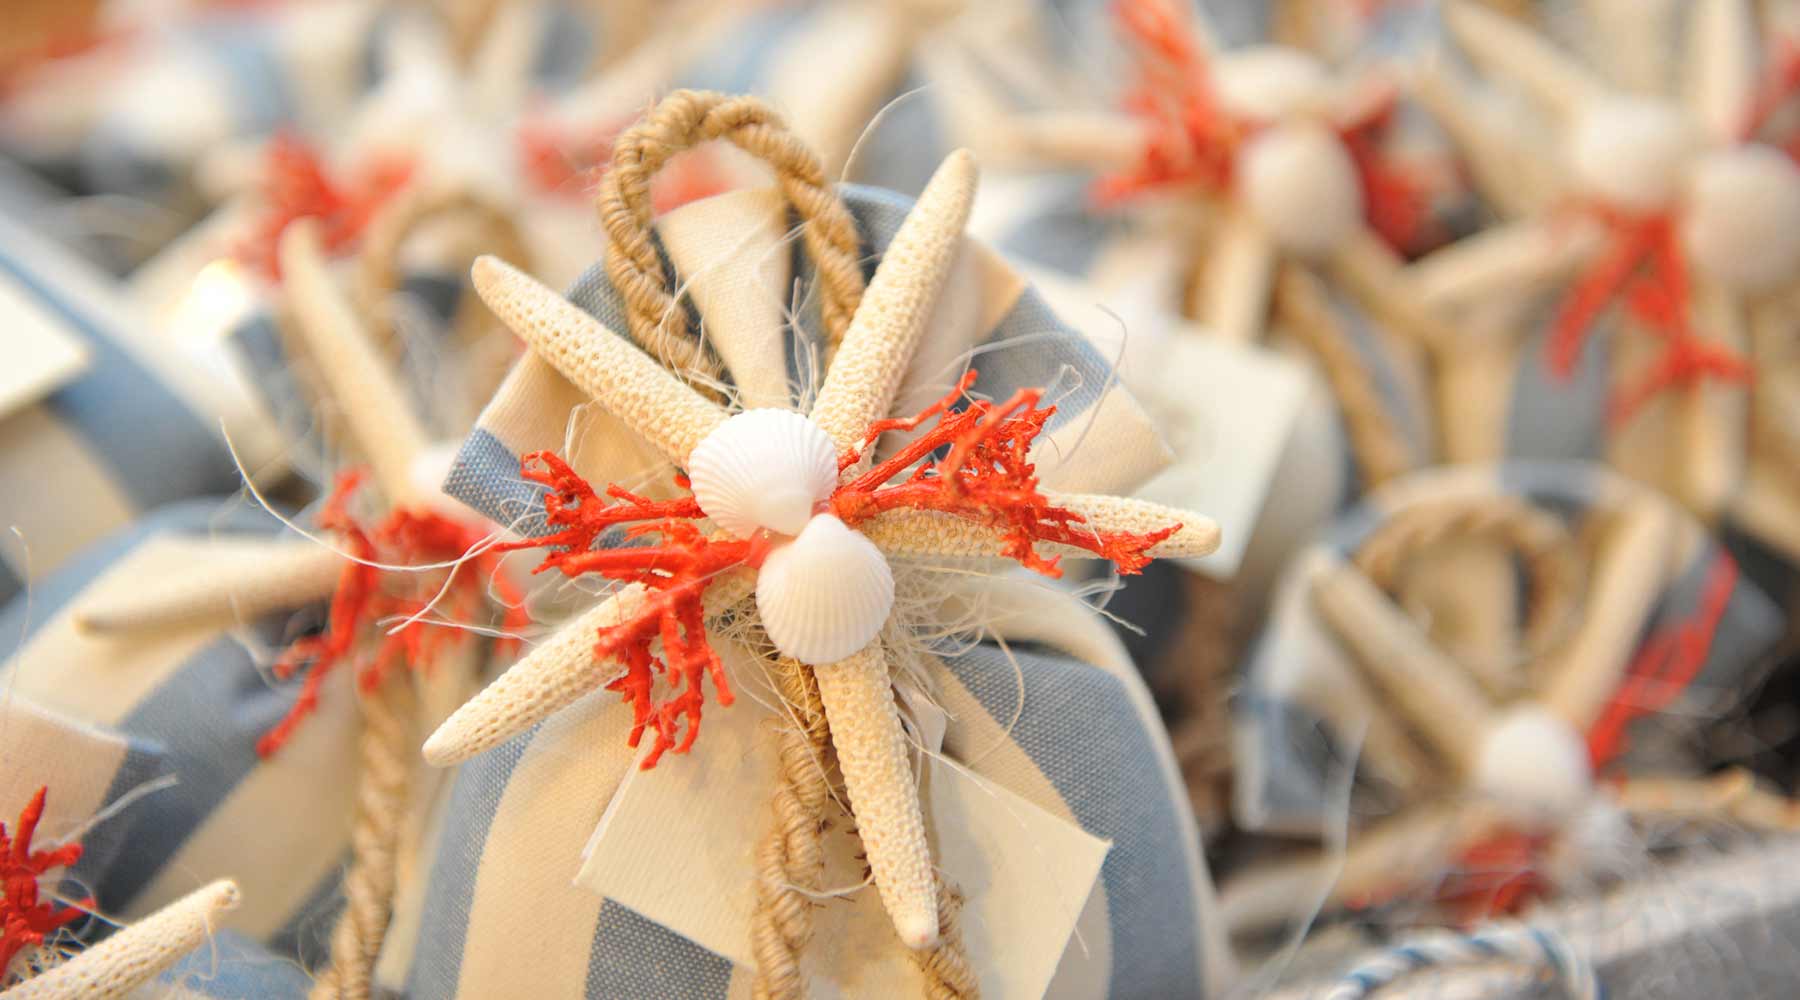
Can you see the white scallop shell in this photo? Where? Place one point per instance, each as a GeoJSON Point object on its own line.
{"type": "Point", "coordinates": [1742, 222]}
{"type": "Point", "coordinates": [826, 594]}
{"type": "Point", "coordinates": [763, 469]}
{"type": "Point", "coordinates": [1300, 183]}
{"type": "Point", "coordinates": [1534, 766]}
{"type": "Point", "coordinates": [1632, 152]}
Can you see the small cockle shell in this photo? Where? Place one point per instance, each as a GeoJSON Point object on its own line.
{"type": "Point", "coordinates": [1534, 766]}
{"type": "Point", "coordinates": [763, 469]}
{"type": "Point", "coordinates": [1302, 186]}
{"type": "Point", "coordinates": [826, 594]}
{"type": "Point", "coordinates": [1631, 152]}
{"type": "Point", "coordinates": [1741, 225]}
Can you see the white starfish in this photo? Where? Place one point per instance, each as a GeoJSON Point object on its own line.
{"type": "Point", "coordinates": [137, 954]}
{"type": "Point", "coordinates": [1735, 205]}
{"type": "Point", "coordinates": [858, 389]}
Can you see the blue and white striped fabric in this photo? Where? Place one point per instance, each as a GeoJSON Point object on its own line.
{"type": "Point", "coordinates": [201, 699]}
{"type": "Point", "coordinates": [1086, 747]}
{"type": "Point", "coordinates": [137, 429]}
{"type": "Point", "coordinates": [1302, 701]}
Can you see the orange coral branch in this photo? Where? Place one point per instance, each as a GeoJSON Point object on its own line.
{"type": "Point", "coordinates": [25, 918]}
{"type": "Point", "coordinates": [297, 186]}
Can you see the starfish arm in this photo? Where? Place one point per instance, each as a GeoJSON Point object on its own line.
{"type": "Point", "coordinates": [137, 954]}
{"type": "Point", "coordinates": [884, 334]}
{"type": "Point", "coordinates": [924, 534]}
{"type": "Point", "coordinates": [229, 582]}
{"type": "Point", "coordinates": [1721, 65]}
{"type": "Point", "coordinates": [1379, 279]}
{"type": "Point", "coordinates": [1506, 169]}
{"type": "Point", "coordinates": [1632, 568]}
{"type": "Point", "coordinates": [1432, 691]}
{"type": "Point", "coordinates": [552, 675]}
{"type": "Point", "coordinates": [1507, 50]}
{"type": "Point", "coordinates": [1730, 795]}
{"type": "Point", "coordinates": [1423, 840]}
{"type": "Point", "coordinates": [624, 380]}
{"type": "Point", "coordinates": [1100, 141]}
{"type": "Point", "coordinates": [1240, 277]}
{"type": "Point", "coordinates": [361, 384]}
{"type": "Point", "coordinates": [1508, 260]}
{"type": "Point", "coordinates": [872, 753]}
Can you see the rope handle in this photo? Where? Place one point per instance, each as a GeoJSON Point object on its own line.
{"type": "Point", "coordinates": [686, 119]}
{"type": "Point", "coordinates": [378, 271]}
{"type": "Point", "coordinates": [1538, 538]}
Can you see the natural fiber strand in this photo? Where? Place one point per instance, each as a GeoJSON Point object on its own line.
{"type": "Point", "coordinates": [685, 119]}
{"type": "Point", "coordinates": [386, 754]}
{"type": "Point", "coordinates": [790, 859]}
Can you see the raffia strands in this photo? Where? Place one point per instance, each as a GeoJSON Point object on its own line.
{"type": "Point", "coordinates": [790, 858]}
{"type": "Point", "coordinates": [1539, 540]}
{"type": "Point", "coordinates": [364, 388]}
{"type": "Point", "coordinates": [948, 974]}
{"type": "Point", "coordinates": [386, 772]}
{"type": "Point", "coordinates": [628, 383]}
{"type": "Point", "coordinates": [860, 385]}
{"type": "Point", "coordinates": [553, 674]}
{"type": "Point", "coordinates": [683, 120]}
{"type": "Point", "coordinates": [137, 954]}
{"type": "Point", "coordinates": [1381, 453]}
{"type": "Point", "coordinates": [240, 584]}
{"type": "Point", "coordinates": [858, 695]}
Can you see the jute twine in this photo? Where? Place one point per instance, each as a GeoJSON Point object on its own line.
{"type": "Point", "coordinates": [378, 271]}
{"type": "Point", "coordinates": [1196, 674]}
{"type": "Point", "coordinates": [790, 858]}
{"type": "Point", "coordinates": [1536, 537]}
{"type": "Point", "coordinates": [1381, 451]}
{"type": "Point", "coordinates": [386, 752]}
{"type": "Point", "coordinates": [948, 974]}
{"type": "Point", "coordinates": [686, 119]}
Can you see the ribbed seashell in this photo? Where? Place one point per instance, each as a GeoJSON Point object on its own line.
{"type": "Point", "coordinates": [826, 594]}
{"type": "Point", "coordinates": [1741, 223]}
{"type": "Point", "coordinates": [1302, 186]}
{"type": "Point", "coordinates": [763, 469]}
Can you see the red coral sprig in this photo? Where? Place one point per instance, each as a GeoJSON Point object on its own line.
{"type": "Point", "coordinates": [985, 476]}
{"type": "Point", "coordinates": [26, 919]}
{"type": "Point", "coordinates": [367, 594]}
{"type": "Point", "coordinates": [1396, 196]}
{"type": "Point", "coordinates": [297, 186]}
{"type": "Point", "coordinates": [1642, 265]}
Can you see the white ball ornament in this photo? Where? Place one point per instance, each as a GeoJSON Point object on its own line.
{"type": "Point", "coordinates": [1741, 225]}
{"type": "Point", "coordinates": [763, 469]}
{"type": "Point", "coordinates": [1534, 766]}
{"type": "Point", "coordinates": [826, 594]}
{"type": "Point", "coordinates": [1301, 184]}
{"type": "Point", "coordinates": [1268, 83]}
{"type": "Point", "coordinates": [1632, 153]}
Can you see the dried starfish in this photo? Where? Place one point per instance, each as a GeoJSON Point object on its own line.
{"type": "Point", "coordinates": [853, 668]}
{"type": "Point", "coordinates": [1531, 769]}
{"type": "Point", "coordinates": [1672, 208]}
{"type": "Point", "coordinates": [1289, 166]}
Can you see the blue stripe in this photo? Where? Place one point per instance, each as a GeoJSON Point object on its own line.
{"type": "Point", "coordinates": [637, 957]}
{"type": "Point", "coordinates": [306, 934]}
{"type": "Point", "coordinates": [102, 846]}
{"type": "Point", "coordinates": [444, 930]}
{"type": "Point", "coordinates": [155, 448]}
{"type": "Point", "coordinates": [232, 967]}
{"type": "Point", "coordinates": [1081, 730]}
{"type": "Point", "coordinates": [11, 584]}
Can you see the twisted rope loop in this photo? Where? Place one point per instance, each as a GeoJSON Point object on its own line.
{"type": "Point", "coordinates": [685, 119]}
{"type": "Point", "coordinates": [378, 271]}
{"type": "Point", "coordinates": [790, 859]}
{"type": "Point", "coordinates": [1538, 538]}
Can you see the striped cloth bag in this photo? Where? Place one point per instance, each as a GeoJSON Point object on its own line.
{"type": "Point", "coordinates": [127, 419]}
{"type": "Point", "coordinates": [512, 837]}
{"type": "Point", "coordinates": [201, 697]}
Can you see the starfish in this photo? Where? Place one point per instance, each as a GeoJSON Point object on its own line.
{"type": "Point", "coordinates": [1672, 209]}
{"type": "Point", "coordinates": [116, 966]}
{"type": "Point", "coordinates": [691, 431]}
{"type": "Point", "coordinates": [1528, 775]}
{"type": "Point", "coordinates": [1288, 165]}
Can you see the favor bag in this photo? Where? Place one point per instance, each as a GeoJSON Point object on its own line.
{"type": "Point", "coordinates": [524, 806]}
{"type": "Point", "coordinates": [1465, 628]}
